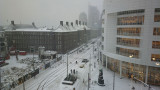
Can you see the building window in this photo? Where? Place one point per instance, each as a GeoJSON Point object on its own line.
{"type": "Point", "coordinates": [156, 44]}
{"type": "Point", "coordinates": [127, 52]}
{"type": "Point", "coordinates": [156, 31]}
{"type": "Point", "coordinates": [155, 57]}
{"type": "Point", "coordinates": [157, 18]}
{"type": "Point", "coordinates": [154, 75]}
{"type": "Point", "coordinates": [128, 42]}
{"type": "Point", "coordinates": [129, 31]}
{"type": "Point", "coordinates": [102, 21]}
{"type": "Point", "coordinates": [131, 12]}
{"type": "Point", "coordinates": [157, 15]}
{"type": "Point", "coordinates": [131, 20]}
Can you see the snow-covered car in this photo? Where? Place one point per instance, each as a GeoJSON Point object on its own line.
{"type": "Point", "coordinates": [81, 66]}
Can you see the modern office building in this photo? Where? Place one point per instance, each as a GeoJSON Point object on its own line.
{"type": "Point", "coordinates": [131, 38]}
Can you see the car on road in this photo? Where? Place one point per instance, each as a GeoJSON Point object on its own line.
{"type": "Point", "coordinates": [81, 66]}
{"type": "Point", "coordinates": [85, 60]}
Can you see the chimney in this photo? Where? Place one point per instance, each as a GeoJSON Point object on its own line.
{"type": "Point", "coordinates": [79, 22]}
{"type": "Point", "coordinates": [61, 23]}
{"type": "Point", "coordinates": [72, 24]}
{"type": "Point", "coordinates": [76, 22]}
{"type": "Point", "coordinates": [12, 22]}
{"type": "Point", "coordinates": [67, 24]}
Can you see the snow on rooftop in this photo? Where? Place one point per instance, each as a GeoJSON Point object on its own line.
{"type": "Point", "coordinates": [28, 28]}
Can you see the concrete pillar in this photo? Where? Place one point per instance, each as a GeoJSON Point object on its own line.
{"type": "Point", "coordinates": [106, 62]}
{"type": "Point", "coordinates": [102, 60]}
{"type": "Point", "coordinates": [120, 67]}
{"type": "Point", "coordinates": [146, 76]}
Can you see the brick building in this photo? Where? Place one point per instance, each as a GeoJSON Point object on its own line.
{"type": "Point", "coordinates": [66, 37]}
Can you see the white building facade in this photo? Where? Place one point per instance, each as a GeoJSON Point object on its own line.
{"type": "Point", "coordinates": [131, 38]}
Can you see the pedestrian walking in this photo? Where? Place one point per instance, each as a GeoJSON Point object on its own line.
{"type": "Point", "coordinates": [133, 88]}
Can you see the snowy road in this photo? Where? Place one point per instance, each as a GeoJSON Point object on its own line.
{"type": "Point", "coordinates": [51, 78]}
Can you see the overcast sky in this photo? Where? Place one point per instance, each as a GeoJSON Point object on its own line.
{"type": "Point", "coordinates": [44, 12]}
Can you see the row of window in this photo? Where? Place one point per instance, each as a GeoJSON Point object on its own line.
{"type": "Point", "coordinates": [129, 31]}
{"type": "Point", "coordinates": [128, 42]}
{"type": "Point", "coordinates": [135, 31]}
{"type": "Point", "coordinates": [131, 20]}
{"type": "Point", "coordinates": [127, 52]}
{"type": "Point", "coordinates": [131, 12]}
{"type": "Point", "coordinates": [156, 44]}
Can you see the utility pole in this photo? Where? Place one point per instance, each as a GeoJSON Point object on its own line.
{"type": "Point", "coordinates": [67, 64]}
{"type": "Point", "coordinates": [88, 81]}
{"type": "Point", "coordinates": [0, 78]}
{"type": "Point", "coordinates": [23, 84]}
{"type": "Point", "coordinates": [150, 80]}
{"type": "Point", "coordinates": [114, 77]}
{"type": "Point", "coordinates": [93, 48]}
{"type": "Point", "coordinates": [33, 61]}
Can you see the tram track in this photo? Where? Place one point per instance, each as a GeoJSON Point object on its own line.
{"type": "Point", "coordinates": [62, 73]}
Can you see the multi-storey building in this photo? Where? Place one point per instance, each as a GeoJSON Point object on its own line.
{"type": "Point", "coordinates": [131, 38]}
{"type": "Point", "coordinates": [3, 46]}
{"type": "Point", "coordinates": [62, 39]}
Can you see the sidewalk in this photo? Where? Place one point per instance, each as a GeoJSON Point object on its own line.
{"type": "Point", "coordinates": [120, 84]}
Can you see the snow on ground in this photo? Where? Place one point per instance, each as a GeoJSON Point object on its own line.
{"type": "Point", "coordinates": [51, 79]}
{"type": "Point", "coordinates": [13, 62]}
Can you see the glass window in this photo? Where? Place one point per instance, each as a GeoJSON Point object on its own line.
{"type": "Point", "coordinates": [128, 42]}
{"type": "Point", "coordinates": [156, 31]}
{"type": "Point", "coordinates": [127, 52]}
{"type": "Point", "coordinates": [131, 12]}
{"type": "Point", "coordinates": [155, 57]}
{"type": "Point", "coordinates": [129, 31]}
{"type": "Point", "coordinates": [156, 44]}
{"type": "Point", "coordinates": [157, 15]}
{"type": "Point", "coordinates": [132, 20]}
{"type": "Point", "coordinates": [157, 18]}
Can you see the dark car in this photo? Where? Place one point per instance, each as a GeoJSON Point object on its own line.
{"type": "Point", "coordinates": [85, 60]}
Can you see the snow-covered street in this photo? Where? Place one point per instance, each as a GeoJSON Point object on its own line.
{"type": "Point", "coordinates": [51, 78]}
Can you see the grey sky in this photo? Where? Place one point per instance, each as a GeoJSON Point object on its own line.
{"type": "Point", "coordinates": [43, 12]}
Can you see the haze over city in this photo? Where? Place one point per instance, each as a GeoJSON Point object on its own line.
{"type": "Point", "coordinates": [44, 12]}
